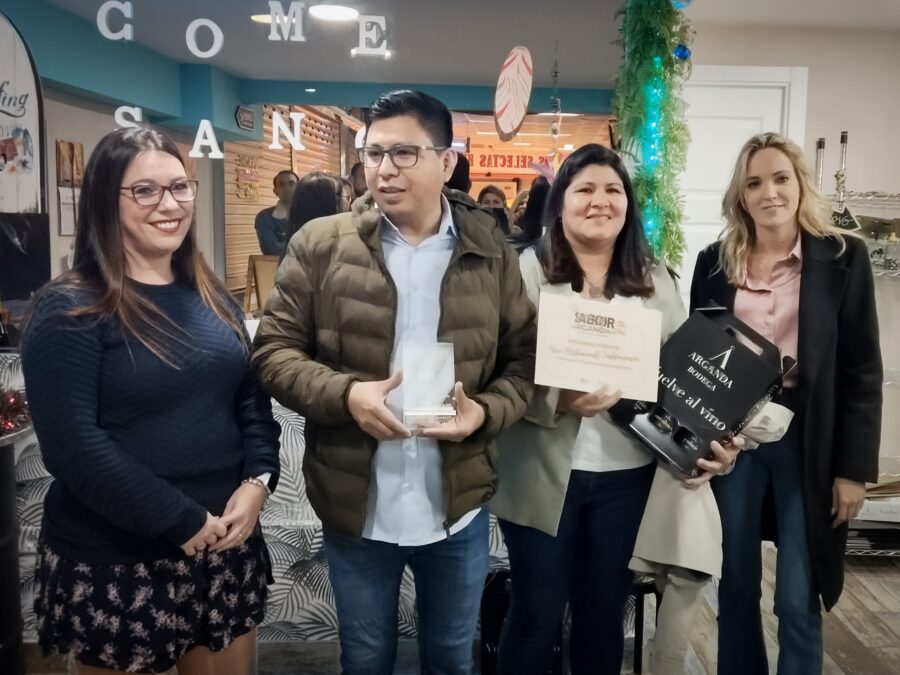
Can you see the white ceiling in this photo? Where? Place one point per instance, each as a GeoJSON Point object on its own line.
{"type": "Point", "coordinates": [454, 41]}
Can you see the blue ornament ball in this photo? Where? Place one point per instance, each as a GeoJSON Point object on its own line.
{"type": "Point", "coordinates": [681, 4]}
{"type": "Point", "coordinates": [682, 53]}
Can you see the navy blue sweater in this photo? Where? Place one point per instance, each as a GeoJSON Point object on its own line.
{"type": "Point", "coordinates": [140, 450]}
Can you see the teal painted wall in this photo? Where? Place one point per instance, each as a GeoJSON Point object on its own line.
{"type": "Point", "coordinates": [71, 54]}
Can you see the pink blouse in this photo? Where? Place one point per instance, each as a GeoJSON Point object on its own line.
{"type": "Point", "coordinates": [771, 308]}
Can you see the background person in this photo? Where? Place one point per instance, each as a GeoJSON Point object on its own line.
{"type": "Point", "coordinates": [358, 178]}
{"type": "Point", "coordinates": [530, 225]}
{"type": "Point", "coordinates": [317, 195]}
{"type": "Point", "coordinates": [517, 208]}
{"type": "Point", "coordinates": [491, 197]}
{"type": "Point", "coordinates": [271, 223]}
{"type": "Point", "coordinates": [459, 179]}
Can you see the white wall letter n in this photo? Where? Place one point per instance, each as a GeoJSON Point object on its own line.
{"type": "Point", "coordinates": [293, 135]}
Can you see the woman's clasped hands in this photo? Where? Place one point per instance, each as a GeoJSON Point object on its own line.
{"type": "Point", "coordinates": [232, 528]}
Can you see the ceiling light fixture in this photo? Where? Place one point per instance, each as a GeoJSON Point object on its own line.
{"type": "Point", "coordinates": [267, 18]}
{"type": "Point", "coordinates": [388, 54]}
{"type": "Point", "coordinates": [329, 12]}
{"type": "Point", "coordinates": [521, 133]}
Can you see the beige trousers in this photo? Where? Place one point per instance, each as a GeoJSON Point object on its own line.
{"type": "Point", "coordinates": [681, 592]}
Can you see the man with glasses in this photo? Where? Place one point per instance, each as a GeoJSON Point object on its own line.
{"type": "Point", "coordinates": [353, 291]}
{"type": "Point", "coordinates": [271, 223]}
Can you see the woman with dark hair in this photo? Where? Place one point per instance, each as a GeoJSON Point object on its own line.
{"type": "Point", "coordinates": [572, 484]}
{"type": "Point", "coordinates": [317, 194]}
{"type": "Point", "coordinates": [150, 419]}
{"type": "Point", "coordinates": [491, 197]}
{"type": "Point", "coordinates": [531, 224]}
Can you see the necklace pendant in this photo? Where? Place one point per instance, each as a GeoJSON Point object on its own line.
{"type": "Point", "coordinates": [595, 291]}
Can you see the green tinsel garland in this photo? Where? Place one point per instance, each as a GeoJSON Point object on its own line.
{"type": "Point", "coordinates": [650, 116]}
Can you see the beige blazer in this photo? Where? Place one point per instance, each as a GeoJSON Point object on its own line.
{"type": "Point", "coordinates": [535, 454]}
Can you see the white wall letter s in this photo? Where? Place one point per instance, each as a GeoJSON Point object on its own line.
{"type": "Point", "coordinates": [280, 127]}
{"type": "Point", "coordinates": [137, 116]}
{"type": "Point", "coordinates": [290, 26]}
{"type": "Point", "coordinates": [206, 137]}
{"type": "Point", "coordinates": [372, 40]}
{"type": "Point", "coordinates": [190, 37]}
{"type": "Point", "coordinates": [126, 32]}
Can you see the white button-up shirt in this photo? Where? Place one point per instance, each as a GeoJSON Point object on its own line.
{"type": "Point", "coordinates": [406, 495]}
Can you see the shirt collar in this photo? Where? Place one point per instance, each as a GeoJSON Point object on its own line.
{"type": "Point", "coordinates": [796, 252]}
{"type": "Point", "coordinates": [791, 259]}
{"type": "Point", "coordinates": [446, 226]}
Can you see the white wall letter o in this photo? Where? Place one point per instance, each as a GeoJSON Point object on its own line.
{"type": "Point", "coordinates": [137, 116]}
{"type": "Point", "coordinates": [190, 37]}
{"type": "Point", "coordinates": [126, 32]}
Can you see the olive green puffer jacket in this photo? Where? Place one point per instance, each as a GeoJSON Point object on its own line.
{"type": "Point", "coordinates": [330, 320]}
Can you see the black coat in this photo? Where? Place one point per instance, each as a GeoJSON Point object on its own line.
{"type": "Point", "coordinates": [840, 383]}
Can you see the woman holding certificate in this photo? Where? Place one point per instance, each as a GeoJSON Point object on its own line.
{"type": "Point", "coordinates": [784, 270]}
{"type": "Point", "coordinates": [573, 485]}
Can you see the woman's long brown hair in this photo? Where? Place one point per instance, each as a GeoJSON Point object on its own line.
{"type": "Point", "coordinates": [100, 265]}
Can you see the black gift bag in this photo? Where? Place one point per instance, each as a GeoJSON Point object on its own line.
{"type": "Point", "coordinates": [715, 373]}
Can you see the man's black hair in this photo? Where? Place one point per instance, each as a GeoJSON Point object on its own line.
{"type": "Point", "coordinates": [280, 173]}
{"type": "Point", "coordinates": [432, 115]}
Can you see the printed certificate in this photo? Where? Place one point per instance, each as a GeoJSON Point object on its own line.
{"type": "Point", "coordinates": [583, 344]}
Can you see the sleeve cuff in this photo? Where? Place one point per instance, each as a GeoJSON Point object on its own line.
{"type": "Point", "coordinates": [187, 527]}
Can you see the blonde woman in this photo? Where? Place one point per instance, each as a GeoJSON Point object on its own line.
{"type": "Point", "coordinates": [518, 206]}
{"type": "Point", "coordinates": [782, 268]}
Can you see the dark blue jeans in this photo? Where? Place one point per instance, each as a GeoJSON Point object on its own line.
{"type": "Point", "coordinates": [740, 497]}
{"type": "Point", "coordinates": [449, 578]}
{"type": "Point", "coordinates": [586, 564]}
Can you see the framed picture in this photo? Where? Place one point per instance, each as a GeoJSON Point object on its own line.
{"type": "Point", "coordinates": [69, 174]}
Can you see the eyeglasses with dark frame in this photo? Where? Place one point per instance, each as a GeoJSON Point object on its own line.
{"type": "Point", "coordinates": [151, 194]}
{"type": "Point", "coordinates": [403, 156]}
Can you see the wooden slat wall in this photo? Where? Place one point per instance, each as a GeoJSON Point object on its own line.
{"type": "Point", "coordinates": [320, 135]}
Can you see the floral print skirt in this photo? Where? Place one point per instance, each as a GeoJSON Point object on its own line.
{"type": "Point", "coordinates": [143, 617]}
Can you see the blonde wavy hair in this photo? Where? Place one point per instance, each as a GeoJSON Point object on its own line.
{"type": "Point", "coordinates": [739, 234]}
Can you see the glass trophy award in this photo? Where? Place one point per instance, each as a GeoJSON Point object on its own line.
{"type": "Point", "coordinates": [428, 377]}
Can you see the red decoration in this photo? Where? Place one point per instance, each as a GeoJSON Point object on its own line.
{"type": "Point", "coordinates": [513, 92]}
{"type": "Point", "coordinates": [14, 415]}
